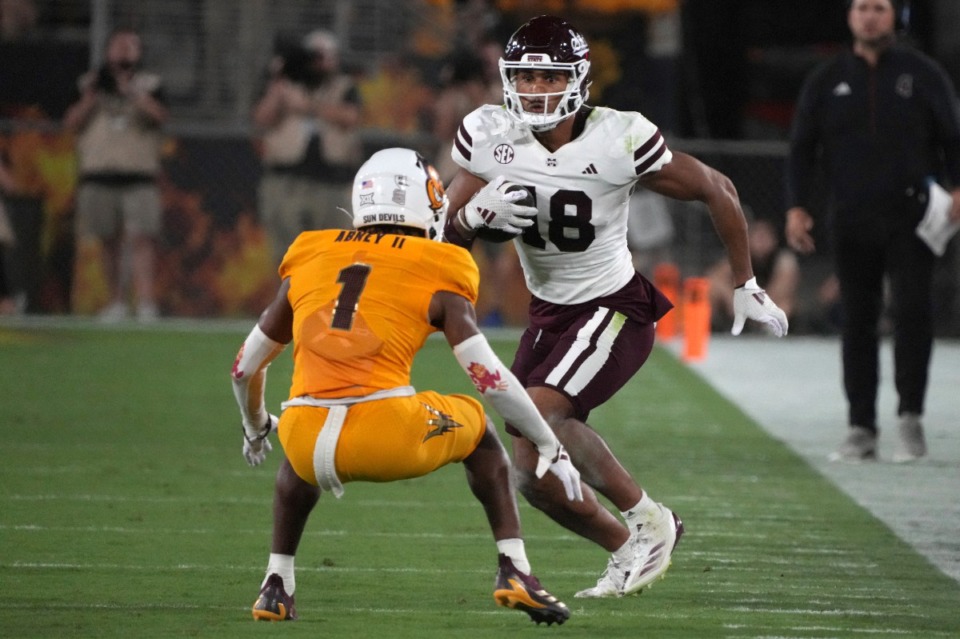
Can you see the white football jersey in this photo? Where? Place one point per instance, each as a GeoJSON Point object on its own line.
{"type": "Point", "coordinates": [577, 250]}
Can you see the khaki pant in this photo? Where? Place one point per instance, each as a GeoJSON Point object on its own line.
{"type": "Point", "coordinates": [290, 204]}
{"type": "Point", "coordinates": [107, 211]}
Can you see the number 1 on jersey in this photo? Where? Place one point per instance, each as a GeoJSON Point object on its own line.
{"type": "Point", "coordinates": [354, 279]}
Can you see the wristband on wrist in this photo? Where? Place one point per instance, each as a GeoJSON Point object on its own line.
{"type": "Point", "coordinates": [262, 436]}
{"type": "Point", "coordinates": [452, 233]}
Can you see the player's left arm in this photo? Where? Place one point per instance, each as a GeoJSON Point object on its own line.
{"type": "Point", "coordinates": [687, 178]}
{"type": "Point", "coordinates": [269, 336]}
{"type": "Point", "coordinates": [456, 316]}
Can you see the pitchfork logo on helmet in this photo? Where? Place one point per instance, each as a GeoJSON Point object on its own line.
{"type": "Point", "coordinates": [399, 187]}
{"type": "Point", "coordinates": [546, 43]}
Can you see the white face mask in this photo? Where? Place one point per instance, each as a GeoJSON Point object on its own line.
{"type": "Point", "coordinates": [570, 99]}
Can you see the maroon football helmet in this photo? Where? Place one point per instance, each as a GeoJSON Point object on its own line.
{"type": "Point", "coordinates": [546, 43]}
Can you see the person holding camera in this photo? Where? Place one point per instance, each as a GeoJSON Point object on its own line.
{"type": "Point", "coordinates": [118, 121]}
{"type": "Point", "coordinates": [308, 119]}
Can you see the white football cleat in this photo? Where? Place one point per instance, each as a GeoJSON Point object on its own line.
{"type": "Point", "coordinates": [607, 585]}
{"type": "Point", "coordinates": [652, 545]}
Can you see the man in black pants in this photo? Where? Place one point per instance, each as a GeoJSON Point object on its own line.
{"type": "Point", "coordinates": [883, 119]}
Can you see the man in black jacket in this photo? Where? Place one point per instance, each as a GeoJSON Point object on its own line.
{"type": "Point", "coordinates": [881, 119]}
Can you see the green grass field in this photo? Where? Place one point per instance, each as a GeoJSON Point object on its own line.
{"type": "Point", "coordinates": [126, 510]}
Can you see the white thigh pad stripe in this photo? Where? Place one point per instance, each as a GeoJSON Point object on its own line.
{"type": "Point", "coordinates": [579, 346]}
{"type": "Point", "coordinates": [588, 370]}
{"type": "Point", "coordinates": [577, 370]}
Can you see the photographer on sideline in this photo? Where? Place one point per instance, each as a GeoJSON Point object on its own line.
{"type": "Point", "coordinates": [118, 121]}
{"type": "Point", "coordinates": [308, 119]}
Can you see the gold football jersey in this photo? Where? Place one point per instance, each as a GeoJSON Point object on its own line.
{"type": "Point", "coordinates": [360, 306]}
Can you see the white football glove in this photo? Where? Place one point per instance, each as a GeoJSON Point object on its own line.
{"type": "Point", "coordinates": [256, 445]}
{"type": "Point", "coordinates": [496, 209]}
{"type": "Point", "coordinates": [557, 461]}
{"type": "Point", "coordinates": [751, 301]}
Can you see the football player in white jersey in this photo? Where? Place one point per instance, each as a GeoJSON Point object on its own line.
{"type": "Point", "coordinates": [592, 315]}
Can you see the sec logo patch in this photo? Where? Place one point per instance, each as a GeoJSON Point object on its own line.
{"type": "Point", "coordinates": [503, 154]}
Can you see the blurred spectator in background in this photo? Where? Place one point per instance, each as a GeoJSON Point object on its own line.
{"type": "Point", "coordinates": [650, 230]}
{"type": "Point", "coordinates": [308, 118]}
{"type": "Point", "coordinates": [395, 97]}
{"type": "Point", "coordinates": [826, 317]}
{"type": "Point", "coordinates": [464, 87]}
{"type": "Point", "coordinates": [118, 122]}
{"type": "Point", "coordinates": [775, 267]}
{"type": "Point", "coordinates": [7, 239]}
{"type": "Point", "coordinates": [18, 18]}
{"type": "Point", "coordinates": [881, 119]}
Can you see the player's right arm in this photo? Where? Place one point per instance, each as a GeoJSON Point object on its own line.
{"type": "Point", "coordinates": [461, 189]}
{"type": "Point", "coordinates": [466, 182]}
{"type": "Point", "coordinates": [476, 201]}
{"type": "Point", "coordinates": [272, 332]}
{"type": "Point", "coordinates": [456, 317]}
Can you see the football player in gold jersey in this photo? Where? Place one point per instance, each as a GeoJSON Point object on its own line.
{"type": "Point", "coordinates": [358, 305]}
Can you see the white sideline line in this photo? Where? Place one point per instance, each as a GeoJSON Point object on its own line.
{"type": "Point", "coordinates": [120, 498]}
{"type": "Point", "coordinates": [241, 327]}
{"type": "Point", "coordinates": [265, 532]}
{"type": "Point", "coordinates": [410, 535]}
{"type": "Point", "coordinates": [258, 568]}
{"type": "Point", "coordinates": [730, 588]}
{"type": "Point", "coordinates": [850, 593]}
{"type": "Point", "coordinates": [243, 501]}
{"type": "Point", "coordinates": [835, 612]}
{"type": "Point", "coordinates": [34, 565]}
{"type": "Point", "coordinates": [42, 471]}
{"type": "Point", "coordinates": [876, 631]}
{"type": "Point", "coordinates": [163, 325]}
{"type": "Point", "coordinates": [904, 601]}
{"type": "Point", "coordinates": [245, 610]}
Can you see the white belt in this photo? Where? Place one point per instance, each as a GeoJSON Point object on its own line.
{"type": "Point", "coordinates": [306, 400]}
{"type": "Point", "coordinates": [325, 450]}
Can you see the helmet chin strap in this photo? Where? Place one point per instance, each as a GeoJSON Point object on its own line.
{"type": "Point", "coordinates": [543, 128]}
{"type": "Point", "coordinates": [549, 126]}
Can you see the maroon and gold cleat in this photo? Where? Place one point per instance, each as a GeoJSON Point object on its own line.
{"type": "Point", "coordinates": [516, 590]}
{"type": "Point", "coordinates": [274, 604]}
